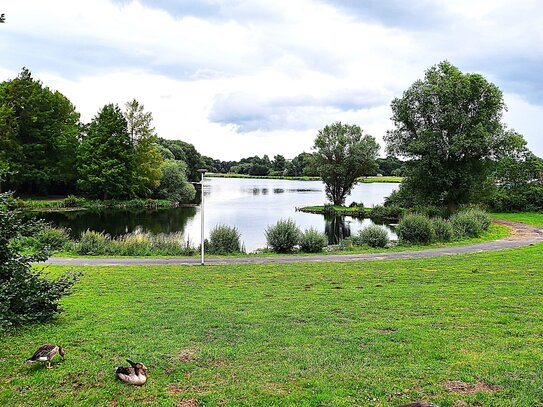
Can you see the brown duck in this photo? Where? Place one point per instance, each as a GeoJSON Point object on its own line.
{"type": "Point", "coordinates": [46, 353]}
{"type": "Point", "coordinates": [135, 375]}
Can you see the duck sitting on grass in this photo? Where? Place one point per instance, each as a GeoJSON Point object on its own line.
{"type": "Point", "coordinates": [135, 375]}
{"type": "Point", "coordinates": [46, 353]}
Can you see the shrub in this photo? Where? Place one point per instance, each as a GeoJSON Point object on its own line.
{"type": "Point", "coordinates": [137, 243]}
{"type": "Point", "coordinates": [72, 201]}
{"type": "Point", "coordinates": [283, 236]}
{"type": "Point", "coordinates": [415, 229]}
{"type": "Point", "coordinates": [26, 295]}
{"type": "Point", "coordinates": [93, 243]}
{"type": "Point", "coordinates": [312, 241]}
{"type": "Point", "coordinates": [373, 236]}
{"type": "Point", "coordinates": [470, 223]}
{"type": "Point", "coordinates": [443, 229]}
{"type": "Point", "coordinates": [387, 212]}
{"type": "Point", "coordinates": [224, 240]}
{"type": "Point", "coordinates": [53, 238]}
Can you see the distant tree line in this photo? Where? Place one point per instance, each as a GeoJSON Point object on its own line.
{"type": "Point", "coordinates": [295, 167]}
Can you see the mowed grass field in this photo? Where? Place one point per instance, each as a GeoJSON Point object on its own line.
{"type": "Point", "coordinates": [459, 330]}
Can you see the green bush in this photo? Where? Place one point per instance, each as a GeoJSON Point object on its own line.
{"type": "Point", "coordinates": [470, 223]}
{"type": "Point", "coordinates": [443, 230]}
{"type": "Point", "coordinates": [93, 243]}
{"type": "Point", "coordinates": [131, 244]}
{"type": "Point", "coordinates": [26, 295]}
{"type": "Point", "coordinates": [312, 241]}
{"type": "Point", "coordinates": [373, 236]}
{"type": "Point", "coordinates": [53, 238]}
{"type": "Point", "coordinates": [72, 201]}
{"type": "Point", "coordinates": [415, 229]}
{"type": "Point", "coordinates": [283, 236]}
{"type": "Point", "coordinates": [387, 212]}
{"type": "Point", "coordinates": [224, 240]}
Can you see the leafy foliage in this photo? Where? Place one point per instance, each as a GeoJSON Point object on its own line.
{"type": "Point", "coordinates": [106, 157]}
{"type": "Point", "coordinates": [470, 223]}
{"type": "Point", "coordinates": [26, 295]}
{"type": "Point", "coordinates": [373, 236]}
{"type": "Point", "coordinates": [39, 131]}
{"type": "Point", "coordinates": [312, 241]}
{"type": "Point", "coordinates": [224, 239]}
{"type": "Point", "coordinates": [449, 127]}
{"type": "Point", "coordinates": [443, 229]}
{"type": "Point", "coordinates": [341, 155]}
{"type": "Point", "coordinates": [415, 229]}
{"type": "Point", "coordinates": [174, 184]}
{"type": "Point", "coordinates": [283, 236]}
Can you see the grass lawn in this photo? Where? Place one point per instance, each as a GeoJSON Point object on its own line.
{"type": "Point", "coordinates": [364, 333]}
{"type": "Point", "coordinates": [531, 218]}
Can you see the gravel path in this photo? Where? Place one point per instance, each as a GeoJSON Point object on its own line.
{"type": "Point", "coordinates": [522, 235]}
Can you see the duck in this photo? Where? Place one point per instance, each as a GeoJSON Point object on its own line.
{"type": "Point", "coordinates": [135, 375]}
{"type": "Point", "coordinates": [46, 353]}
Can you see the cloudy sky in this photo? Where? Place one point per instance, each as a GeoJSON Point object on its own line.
{"type": "Point", "coordinates": [245, 77]}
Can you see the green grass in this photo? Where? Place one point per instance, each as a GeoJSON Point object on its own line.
{"type": "Point", "coordinates": [334, 334]}
{"type": "Point", "coordinates": [531, 218]}
{"type": "Point", "coordinates": [337, 209]}
{"type": "Point", "coordinates": [57, 204]}
{"type": "Point", "coordinates": [300, 178]}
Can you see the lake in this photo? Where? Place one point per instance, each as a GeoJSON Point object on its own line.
{"type": "Point", "coordinates": [249, 204]}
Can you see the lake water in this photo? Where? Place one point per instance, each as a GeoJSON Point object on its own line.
{"type": "Point", "coordinates": [249, 204]}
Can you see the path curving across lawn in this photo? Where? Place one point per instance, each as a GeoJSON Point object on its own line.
{"type": "Point", "coordinates": [522, 235]}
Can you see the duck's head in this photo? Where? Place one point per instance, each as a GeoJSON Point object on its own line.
{"type": "Point", "coordinates": [61, 352]}
{"type": "Point", "coordinates": [138, 367]}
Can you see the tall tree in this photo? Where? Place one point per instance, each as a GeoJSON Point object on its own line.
{"type": "Point", "coordinates": [448, 126]}
{"type": "Point", "coordinates": [39, 131]}
{"type": "Point", "coordinates": [342, 154]}
{"type": "Point", "coordinates": [106, 156]}
{"type": "Point", "coordinates": [147, 157]}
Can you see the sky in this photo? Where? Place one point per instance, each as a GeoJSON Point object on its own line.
{"type": "Point", "coordinates": [238, 78]}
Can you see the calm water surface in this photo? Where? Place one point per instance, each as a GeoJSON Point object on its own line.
{"type": "Point", "coordinates": [249, 204]}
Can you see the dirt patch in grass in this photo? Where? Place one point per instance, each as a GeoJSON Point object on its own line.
{"type": "Point", "coordinates": [189, 403]}
{"type": "Point", "coordinates": [386, 330]}
{"type": "Point", "coordinates": [276, 388]}
{"type": "Point", "coordinates": [461, 387]}
{"type": "Point", "coordinates": [187, 355]}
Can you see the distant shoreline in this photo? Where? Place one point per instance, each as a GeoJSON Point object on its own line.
{"type": "Point", "coordinates": [367, 180]}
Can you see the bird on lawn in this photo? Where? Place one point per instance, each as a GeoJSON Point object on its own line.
{"type": "Point", "coordinates": [46, 353]}
{"type": "Point", "coordinates": [135, 375]}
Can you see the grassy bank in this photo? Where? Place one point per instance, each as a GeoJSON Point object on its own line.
{"type": "Point", "coordinates": [531, 218]}
{"type": "Point", "coordinates": [465, 328]}
{"type": "Point", "coordinates": [74, 203]}
{"type": "Point", "coordinates": [301, 178]}
{"type": "Point", "coordinates": [354, 211]}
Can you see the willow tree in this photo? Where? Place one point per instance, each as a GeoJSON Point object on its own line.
{"type": "Point", "coordinates": [341, 155]}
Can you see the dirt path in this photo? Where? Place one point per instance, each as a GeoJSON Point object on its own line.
{"type": "Point", "coordinates": [522, 235]}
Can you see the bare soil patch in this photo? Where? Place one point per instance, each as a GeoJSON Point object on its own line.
{"type": "Point", "coordinates": [465, 388]}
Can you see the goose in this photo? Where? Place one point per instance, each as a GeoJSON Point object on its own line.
{"type": "Point", "coordinates": [135, 375]}
{"type": "Point", "coordinates": [46, 353]}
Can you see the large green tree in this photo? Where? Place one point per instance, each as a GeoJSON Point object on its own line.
{"type": "Point", "coordinates": [147, 157]}
{"type": "Point", "coordinates": [174, 184]}
{"type": "Point", "coordinates": [341, 155]}
{"type": "Point", "coordinates": [39, 130]}
{"type": "Point", "coordinates": [448, 125]}
{"type": "Point", "coordinates": [106, 156]}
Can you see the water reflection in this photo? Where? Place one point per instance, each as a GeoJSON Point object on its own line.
{"type": "Point", "coordinates": [336, 228]}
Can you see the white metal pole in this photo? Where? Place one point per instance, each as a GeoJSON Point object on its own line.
{"type": "Point", "coordinates": [202, 216]}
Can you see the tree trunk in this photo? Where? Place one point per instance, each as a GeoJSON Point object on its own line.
{"type": "Point", "coordinates": [452, 207]}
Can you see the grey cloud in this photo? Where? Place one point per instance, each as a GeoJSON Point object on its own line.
{"type": "Point", "coordinates": [252, 112]}
{"type": "Point", "coordinates": [416, 14]}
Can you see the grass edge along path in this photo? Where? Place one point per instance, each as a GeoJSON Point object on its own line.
{"type": "Point", "coordinates": [522, 235]}
{"type": "Point", "coordinates": [455, 331]}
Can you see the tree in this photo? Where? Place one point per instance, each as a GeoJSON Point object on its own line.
{"type": "Point", "coordinates": [39, 132]}
{"type": "Point", "coordinates": [174, 184]}
{"type": "Point", "coordinates": [448, 126]}
{"type": "Point", "coordinates": [106, 156]}
{"type": "Point", "coordinates": [279, 163]}
{"type": "Point", "coordinates": [342, 154]}
{"type": "Point", "coordinates": [25, 294]}
{"type": "Point", "coordinates": [147, 157]}
{"type": "Point", "coordinates": [187, 153]}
